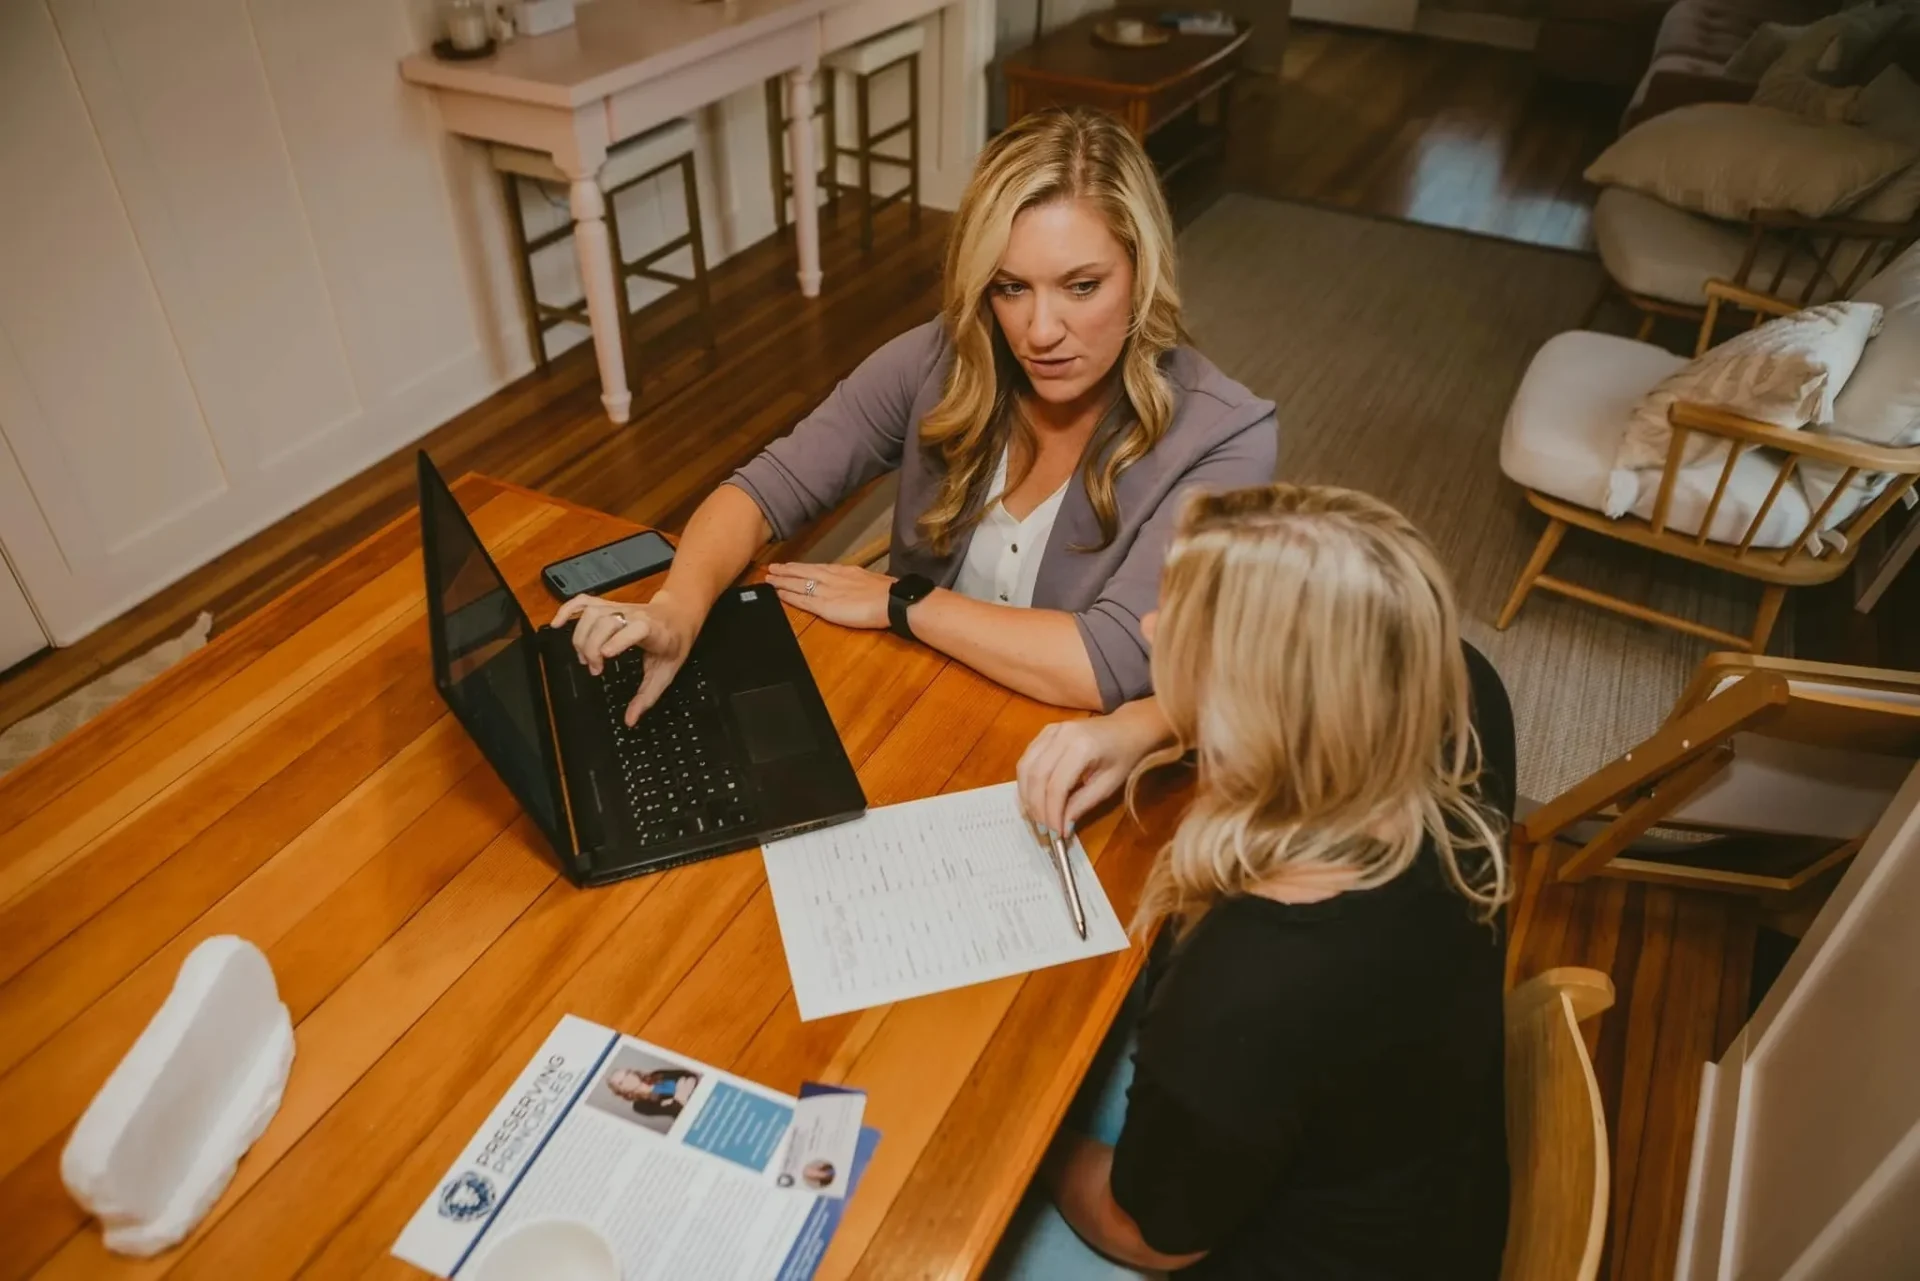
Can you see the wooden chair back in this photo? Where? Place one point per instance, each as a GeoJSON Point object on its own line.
{"type": "Point", "coordinates": [1851, 734]}
{"type": "Point", "coordinates": [1840, 253]}
{"type": "Point", "coordinates": [1556, 1129]}
{"type": "Point", "coordinates": [1865, 709]}
{"type": "Point", "coordinates": [1804, 559]}
{"type": "Point", "coordinates": [1742, 434]}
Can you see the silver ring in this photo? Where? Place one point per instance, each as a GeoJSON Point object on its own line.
{"type": "Point", "coordinates": [810, 586]}
{"type": "Point", "coordinates": [622, 617]}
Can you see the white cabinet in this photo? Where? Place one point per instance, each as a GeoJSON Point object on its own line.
{"type": "Point", "coordinates": [20, 633]}
{"type": "Point", "coordinates": [1806, 1160]}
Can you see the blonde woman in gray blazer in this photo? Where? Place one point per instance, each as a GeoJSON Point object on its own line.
{"type": "Point", "coordinates": [1045, 428]}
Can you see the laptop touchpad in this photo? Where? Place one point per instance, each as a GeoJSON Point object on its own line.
{"type": "Point", "coordinates": [773, 723]}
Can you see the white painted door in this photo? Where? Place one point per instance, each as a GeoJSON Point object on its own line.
{"type": "Point", "coordinates": [1807, 1152]}
{"type": "Point", "coordinates": [20, 634]}
{"type": "Point", "coordinates": [232, 273]}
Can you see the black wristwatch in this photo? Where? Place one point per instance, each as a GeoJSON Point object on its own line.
{"type": "Point", "coordinates": [907, 590]}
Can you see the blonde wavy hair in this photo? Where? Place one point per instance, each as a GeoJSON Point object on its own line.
{"type": "Point", "coordinates": [1308, 651]}
{"type": "Point", "coordinates": [1048, 156]}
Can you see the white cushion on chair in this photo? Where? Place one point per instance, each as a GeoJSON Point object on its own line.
{"type": "Point", "coordinates": [1880, 404]}
{"type": "Point", "coordinates": [869, 56]}
{"type": "Point", "coordinates": [1570, 412]}
{"type": "Point", "coordinates": [1657, 251]}
{"type": "Point", "coordinates": [625, 161]}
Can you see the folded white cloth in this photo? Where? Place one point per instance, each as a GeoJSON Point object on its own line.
{"type": "Point", "coordinates": [160, 1141]}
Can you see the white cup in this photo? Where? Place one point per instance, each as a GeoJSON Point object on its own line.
{"type": "Point", "coordinates": [1131, 30]}
{"type": "Point", "coordinates": [549, 1250]}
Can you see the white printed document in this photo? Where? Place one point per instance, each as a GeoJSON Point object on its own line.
{"type": "Point", "coordinates": [927, 896]}
{"type": "Point", "coordinates": [682, 1167]}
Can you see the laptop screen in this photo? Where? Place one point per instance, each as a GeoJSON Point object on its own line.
{"type": "Point", "coordinates": [484, 660]}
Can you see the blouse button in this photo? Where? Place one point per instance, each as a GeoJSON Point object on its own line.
{"type": "Point", "coordinates": [1003, 595]}
{"type": "Point", "coordinates": [1016, 549]}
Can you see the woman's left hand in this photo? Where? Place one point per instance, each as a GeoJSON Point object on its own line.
{"type": "Point", "coordinates": [843, 594]}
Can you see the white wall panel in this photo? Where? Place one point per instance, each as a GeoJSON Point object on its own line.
{"type": "Point", "coordinates": [180, 100]}
{"type": "Point", "coordinates": [95, 401]}
{"type": "Point", "coordinates": [362, 147]}
{"type": "Point", "coordinates": [20, 634]}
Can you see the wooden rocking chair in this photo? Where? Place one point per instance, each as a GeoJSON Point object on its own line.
{"type": "Point", "coordinates": [1797, 564]}
{"type": "Point", "coordinates": [1792, 762]}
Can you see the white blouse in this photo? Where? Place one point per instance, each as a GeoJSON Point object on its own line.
{"type": "Point", "coordinates": [1003, 560]}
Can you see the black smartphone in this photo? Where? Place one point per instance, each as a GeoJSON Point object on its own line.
{"type": "Point", "coordinates": [608, 567]}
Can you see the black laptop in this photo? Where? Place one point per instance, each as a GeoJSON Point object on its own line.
{"type": "Point", "coordinates": [739, 749]}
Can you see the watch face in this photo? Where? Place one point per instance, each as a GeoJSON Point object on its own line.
{"type": "Point", "coordinates": [911, 587]}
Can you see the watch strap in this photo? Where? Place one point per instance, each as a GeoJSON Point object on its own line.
{"type": "Point", "coordinates": [897, 617]}
{"type": "Point", "coordinates": [906, 592]}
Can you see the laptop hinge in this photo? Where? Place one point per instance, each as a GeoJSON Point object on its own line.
{"type": "Point", "coordinates": [585, 808]}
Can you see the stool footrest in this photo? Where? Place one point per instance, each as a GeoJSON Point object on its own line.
{"type": "Point", "coordinates": [552, 314]}
{"type": "Point", "coordinates": [899, 162]}
{"type": "Point", "coordinates": [553, 237]}
{"type": "Point", "coordinates": [655, 255]}
{"type": "Point", "coordinates": [662, 277]}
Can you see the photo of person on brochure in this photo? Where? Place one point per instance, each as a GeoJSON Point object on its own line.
{"type": "Point", "coordinates": [817, 1175]}
{"type": "Point", "coordinates": [643, 1089]}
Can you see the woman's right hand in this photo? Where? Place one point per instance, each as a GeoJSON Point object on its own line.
{"type": "Point", "coordinates": [602, 628]}
{"type": "Point", "coordinates": [1072, 766]}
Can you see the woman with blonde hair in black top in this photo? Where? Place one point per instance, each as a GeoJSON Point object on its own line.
{"type": "Point", "coordinates": [1313, 1089]}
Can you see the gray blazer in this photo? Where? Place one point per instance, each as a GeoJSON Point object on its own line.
{"type": "Point", "coordinates": [1222, 437]}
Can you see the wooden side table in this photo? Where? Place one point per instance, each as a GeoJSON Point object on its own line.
{"type": "Point", "coordinates": [1149, 89]}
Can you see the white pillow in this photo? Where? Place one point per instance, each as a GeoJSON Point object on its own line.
{"type": "Point", "coordinates": [1881, 402]}
{"type": "Point", "coordinates": [1787, 373]}
{"type": "Point", "coordinates": [1728, 159]}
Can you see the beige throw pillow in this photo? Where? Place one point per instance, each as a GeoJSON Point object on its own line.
{"type": "Point", "coordinates": [1762, 49]}
{"type": "Point", "coordinates": [1815, 75]}
{"type": "Point", "coordinates": [1787, 372]}
{"type": "Point", "coordinates": [1880, 403]}
{"type": "Point", "coordinates": [1889, 107]}
{"type": "Point", "coordinates": [1727, 160]}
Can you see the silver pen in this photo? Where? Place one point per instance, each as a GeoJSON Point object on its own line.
{"type": "Point", "coordinates": [1065, 866]}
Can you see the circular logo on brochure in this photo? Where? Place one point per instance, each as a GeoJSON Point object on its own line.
{"type": "Point", "coordinates": [467, 1197]}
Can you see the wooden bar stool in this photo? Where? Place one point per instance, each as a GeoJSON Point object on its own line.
{"type": "Point", "coordinates": [630, 163]}
{"type": "Point", "coordinates": [864, 62]}
{"type": "Point", "coordinates": [824, 109]}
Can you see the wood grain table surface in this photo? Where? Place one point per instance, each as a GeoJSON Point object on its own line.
{"type": "Point", "coordinates": [300, 783]}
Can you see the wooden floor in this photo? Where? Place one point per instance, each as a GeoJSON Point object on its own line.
{"type": "Point", "coordinates": [1454, 135]}
{"type": "Point", "coordinates": [1385, 125]}
{"type": "Point", "coordinates": [1681, 961]}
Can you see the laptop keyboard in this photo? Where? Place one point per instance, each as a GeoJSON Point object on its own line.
{"type": "Point", "coordinates": [681, 774]}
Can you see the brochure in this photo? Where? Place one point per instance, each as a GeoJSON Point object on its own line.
{"type": "Point", "coordinates": [693, 1174]}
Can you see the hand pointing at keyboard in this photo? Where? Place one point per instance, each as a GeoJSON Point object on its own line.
{"type": "Point", "coordinates": [660, 629]}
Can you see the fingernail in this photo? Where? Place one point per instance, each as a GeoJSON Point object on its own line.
{"type": "Point", "coordinates": [1069, 831]}
{"type": "Point", "coordinates": [1046, 831]}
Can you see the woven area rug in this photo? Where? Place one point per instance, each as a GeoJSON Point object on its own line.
{"type": "Point", "coordinates": [1392, 351]}
{"type": "Point", "coordinates": [49, 725]}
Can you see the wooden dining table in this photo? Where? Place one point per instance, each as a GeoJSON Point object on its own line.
{"type": "Point", "coordinates": [300, 783]}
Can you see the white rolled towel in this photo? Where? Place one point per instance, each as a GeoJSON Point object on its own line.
{"type": "Point", "coordinates": [160, 1141]}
